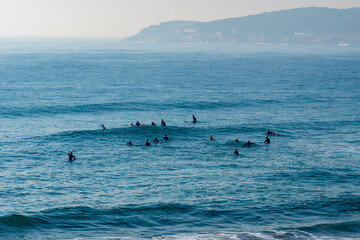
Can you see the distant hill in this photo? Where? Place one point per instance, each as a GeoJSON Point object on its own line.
{"type": "Point", "coordinates": [296, 26]}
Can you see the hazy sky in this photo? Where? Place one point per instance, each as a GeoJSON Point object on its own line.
{"type": "Point", "coordinates": [121, 18]}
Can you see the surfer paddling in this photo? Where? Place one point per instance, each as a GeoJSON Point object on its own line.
{"type": "Point", "coordinates": [248, 144]}
{"type": "Point", "coordinates": [268, 132]}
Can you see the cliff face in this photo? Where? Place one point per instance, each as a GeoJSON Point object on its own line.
{"type": "Point", "coordinates": [296, 26]}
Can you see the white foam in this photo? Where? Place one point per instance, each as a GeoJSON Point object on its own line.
{"type": "Point", "coordinates": [271, 235]}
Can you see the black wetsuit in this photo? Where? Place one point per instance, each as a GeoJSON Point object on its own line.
{"type": "Point", "coordinates": [248, 144]}
{"type": "Point", "coordinates": [71, 157]}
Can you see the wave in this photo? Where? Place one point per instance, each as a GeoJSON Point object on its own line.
{"type": "Point", "coordinates": [50, 110]}
{"type": "Point", "coordinates": [160, 214]}
{"type": "Point", "coordinates": [158, 218]}
{"type": "Point", "coordinates": [267, 235]}
{"type": "Point", "coordinates": [156, 131]}
{"type": "Point", "coordinates": [86, 217]}
{"type": "Point", "coordinates": [349, 227]}
{"type": "Point", "coordinates": [286, 130]}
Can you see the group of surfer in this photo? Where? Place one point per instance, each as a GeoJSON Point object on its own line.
{"type": "Point", "coordinates": [165, 138]}
{"type": "Point", "coordinates": [248, 143]}
{"type": "Point", "coordinates": [147, 143]}
{"type": "Point", "coordinates": [137, 124]}
{"type": "Point", "coordinates": [163, 124]}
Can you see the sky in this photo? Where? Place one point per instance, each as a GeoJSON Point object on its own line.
{"type": "Point", "coordinates": [123, 18]}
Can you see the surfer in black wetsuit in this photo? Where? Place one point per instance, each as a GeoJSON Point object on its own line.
{"type": "Point", "coordinates": [156, 140]}
{"type": "Point", "coordinates": [137, 123]}
{"type": "Point", "coordinates": [248, 144]}
{"type": "Point", "coordinates": [147, 143]}
{"type": "Point", "coordinates": [194, 119]}
{"type": "Point", "coordinates": [268, 132]}
{"type": "Point", "coordinates": [103, 126]}
{"type": "Point", "coordinates": [211, 138]}
{"type": "Point", "coordinates": [236, 140]}
{"type": "Point", "coordinates": [166, 138]}
{"type": "Point", "coordinates": [129, 143]}
{"type": "Point", "coordinates": [163, 124]}
{"type": "Point", "coordinates": [267, 140]}
{"type": "Point", "coordinates": [152, 124]}
{"type": "Point", "coordinates": [236, 152]}
{"type": "Point", "coordinates": [71, 156]}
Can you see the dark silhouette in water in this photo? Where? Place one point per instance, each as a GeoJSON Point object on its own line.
{"type": "Point", "coordinates": [152, 124]}
{"type": "Point", "coordinates": [163, 124]}
{"type": "Point", "coordinates": [194, 119]}
{"type": "Point", "coordinates": [211, 138]}
{"type": "Point", "coordinates": [236, 140]}
{"type": "Point", "coordinates": [248, 144]}
{"type": "Point", "coordinates": [71, 156]}
{"type": "Point", "coordinates": [236, 152]}
{"type": "Point", "coordinates": [137, 123]}
{"type": "Point", "coordinates": [156, 140]}
{"type": "Point", "coordinates": [267, 140]}
{"type": "Point", "coordinates": [166, 138]}
{"type": "Point", "coordinates": [103, 126]}
{"type": "Point", "coordinates": [129, 143]}
{"type": "Point", "coordinates": [147, 143]}
{"type": "Point", "coordinates": [268, 132]}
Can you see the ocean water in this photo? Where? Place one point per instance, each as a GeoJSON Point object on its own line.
{"type": "Point", "coordinates": [305, 184]}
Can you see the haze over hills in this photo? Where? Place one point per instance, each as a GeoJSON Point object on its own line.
{"type": "Point", "coordinates": [296, 26]}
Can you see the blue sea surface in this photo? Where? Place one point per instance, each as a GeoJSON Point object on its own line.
{"type": "Point", "coordinates": [305, 184]}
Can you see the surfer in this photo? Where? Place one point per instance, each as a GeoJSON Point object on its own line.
{"type": "Point", "coordinates": [236, 152]}
{"type": "Point", "coordinates": [147, 143]}
{"type": "Point", "coordinates": [236, 140]}
{"type": "Point", "coordinates": [267, 140]}
{"type": "Point", "coordinates": [156, 140]}
{"type": "Point", "coordinates": [71, 156]}
{"type": "Point", "coordinates": [194, 119]}
{"type": "Point", "coordinates": [211, 138]}
{"type": "Point", "coordinates": [103, 126]}
{"type": "Point", "coordinates": [129, 143]}
{"type": "Point", "coordinates": [163, 124]}
{"type": "Point", "coordinates": [152, 124]}
{"type": "Point", "coordinates": [166, 138]}
{"type": "Point", "coordinates": [268, 132]}
{"type": "Point", "coordinates": [137, 123]}
{"type": "Point", "coordinates": [248, 144]}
